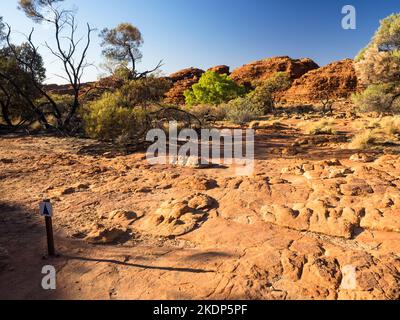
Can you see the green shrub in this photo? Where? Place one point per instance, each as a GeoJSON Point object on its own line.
{"type": "Point", "coordinates": [145, 91]}
{"type": "Point", "coordinates": [265, 94]}
{"type": "Point", "coordinates": [213, 89]}
{"type": "Point", "coordinates": [378, 97]}
{"type": "Point", "coordinates": [242, 110]}
{"type": "Point", "coordinates": [110, 119]}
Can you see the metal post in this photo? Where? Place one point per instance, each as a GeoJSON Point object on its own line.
{"type": "Point", "coordinates": [50, 237]}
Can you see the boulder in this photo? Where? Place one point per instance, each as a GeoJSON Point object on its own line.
{"type": "Point", "coordinates": [221, 69]}
{"type": "Point", "coordinates": [101, 234]}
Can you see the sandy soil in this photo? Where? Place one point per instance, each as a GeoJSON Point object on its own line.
{"type": "Point", "coordinates": [128, 230]}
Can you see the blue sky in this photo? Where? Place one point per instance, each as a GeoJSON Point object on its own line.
{"type": "Point", "coordinates": [204, 33]}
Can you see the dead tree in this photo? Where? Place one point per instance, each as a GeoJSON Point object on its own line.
{"type": "Point", "coordinates": [73, 61]}
{"type": "Point", "coordinates": [68, 49]}
{"type": "Point", "coordinates": [327, 103]}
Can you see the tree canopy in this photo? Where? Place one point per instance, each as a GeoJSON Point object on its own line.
{"type": "Point", "coordinates": [378, 64]}
{"type": "Point", "coordinates": [122, 44]}
{"type": "Point", "coordinates": [36, 9]}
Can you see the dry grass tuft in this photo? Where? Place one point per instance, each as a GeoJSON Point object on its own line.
{"type": "Point", "coordinates": [319, 127]}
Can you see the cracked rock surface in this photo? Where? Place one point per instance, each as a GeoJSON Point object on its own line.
{"type": "Point", "coordinates": [318, 225]}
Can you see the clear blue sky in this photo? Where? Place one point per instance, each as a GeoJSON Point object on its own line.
{"type": "Point", "coordinates": [204, 33]}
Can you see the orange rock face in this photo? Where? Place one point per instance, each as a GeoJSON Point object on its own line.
{"type": "Point", "coordinates": [263, 69]}
{"type": "Point", "coordinates": [220, 69]}
{"type": "Point", "coordinates": [182, 80]}
{"type": "Point", "coordinates": [335, 81]}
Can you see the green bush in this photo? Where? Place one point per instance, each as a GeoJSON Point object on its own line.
{"type": "Point", "coordinates": [377, 97]}
{"type": "Point", "coordinates": [109, 118]}
{"type": "Point", "coordinates": [145, 91]}
{"type": "Point", "coordinates": [265, 94]}
{"type": "Point", "coordinates": [123, 115]}
{"type": "Point", "coordinates": [242, 110]}
{"type": "Point", "coordinates": [214, 89]}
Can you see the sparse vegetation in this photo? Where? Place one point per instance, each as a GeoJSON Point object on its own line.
{"type": "Point", "coordinates": [123, 113]}
{"type": "Point", "coordinates": [320, 127]}
{"type": "Point", "coordinates": [363, 140]}
{"type": "Point", "coordinates": [266, 94]}
{"type": "Point", "coordinates": [208, 113]}
{"type": "Point", "coordinates": [242, 110]}
{"type": "Point", "coordinates": [112, 118]}
{"type": "Point", "coordinates": [377, 132]}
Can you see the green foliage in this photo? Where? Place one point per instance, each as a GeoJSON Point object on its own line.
{"type": "Point", "coordinates": [36, 9]}
{"type": "Point", "coordinates": [388, 35]}
{"type": "Point", "coordinates": [145, 91]}
{"type": "Point", "coordinates": [17, 85]}
{"type": "Point", "coordinates": [242, 110]}
{"type": "Point", "coordinates": [63, 102]}
{"type": "Point", "coordinates": [377, 97]}
{"type": "Point", "coordinates": [122, 44]}
{"type": "Point", "coordinates": [109, 118]}
{"type": "Point", "coordinates": [265, 95]}
{"type": "Point", "coordinates": [378, 68]}
{"type": "Point", "coordinates": [122, 115]}
{"type": "Point", "coordinates": [213, 89]}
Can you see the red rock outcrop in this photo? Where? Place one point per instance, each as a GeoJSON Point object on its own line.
{"type": "Point", "coordinates": [263, 69]}
{"type": "Point", "coordinates": [220, 69]}
{"type": "Point", "coordinates": [182, 80]}
{"type": "Point", "coordinates": [100, 86]}
{"type": "Point", "coordinates": [334, 81]}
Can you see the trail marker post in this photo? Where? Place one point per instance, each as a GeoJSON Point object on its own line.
{"type": "Point", "coordinates": [46, 210]}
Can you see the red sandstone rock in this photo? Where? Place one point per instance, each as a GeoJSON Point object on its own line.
{"type": "Point", "coordinates": [263, 69]}
{"type": "Point", "coordinates": [334, 81]}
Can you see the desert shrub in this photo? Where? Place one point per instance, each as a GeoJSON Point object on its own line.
{"type": "Point", "coordinates": [207, 113]}
{"type": "Point", "coordinates": [242, 110]}
{"type": "Point", "coordinates": [266, 93]}
{"type": "Point", "coordinates": [110, 118]}
{"type": "Point", "coordinates": [380, 131]}
{"type": "Point", "coordinates": [390, 125]}
{"type": "Point", "coordinates": [319, 127]}
{"type": "Point", "coordinates": [214, 89]}
{"type": "Point", "coordinates": [126, 115]}
{"type": "Point", "coordinates": [145, 91]}
{"type": "Point", "coordinates": [121, 115]}
{"type": "Point", "coordinates": [63, 102]}
{"type": "Point", "coordinates": [378, 68]}
{"type": "Point", "coordinates": [364, 140]}
{"type": "Point", "coordinates": [377, 97]}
